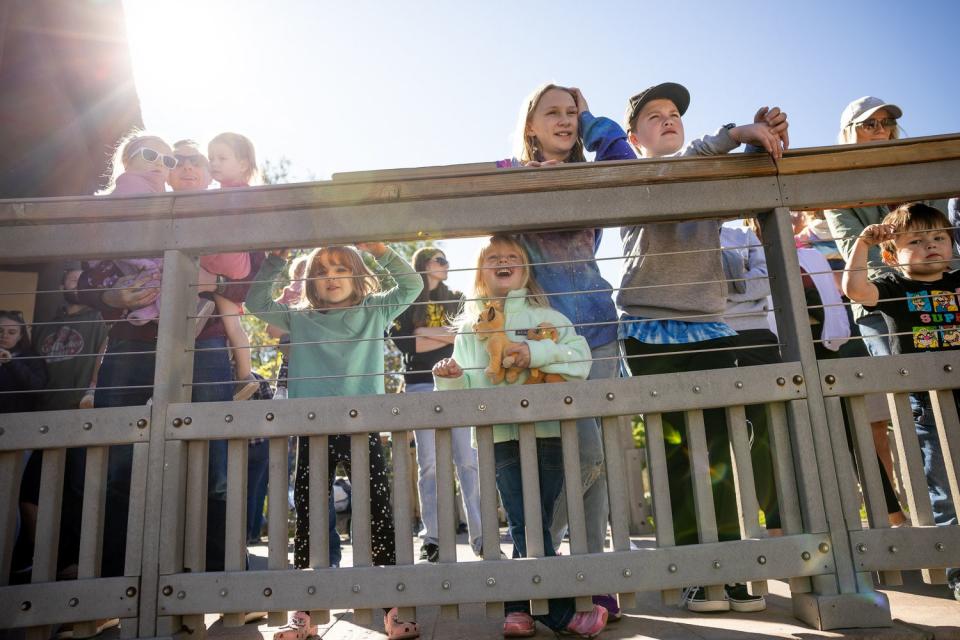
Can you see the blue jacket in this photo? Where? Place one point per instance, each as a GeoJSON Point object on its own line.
{"type": "Point", "coordinates": [575, 270]}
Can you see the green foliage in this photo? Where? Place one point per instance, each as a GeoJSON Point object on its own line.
{"type": "Point", "coordinates": [639, 432]}
{"type": "Point", "coordinates": [275, 172]}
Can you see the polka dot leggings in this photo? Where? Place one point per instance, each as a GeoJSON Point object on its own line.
{"type": "Point", "coordinates": [383, 542]}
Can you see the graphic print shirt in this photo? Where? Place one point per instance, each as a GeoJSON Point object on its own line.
{"type": "Point", "coordinates": [925, 313]}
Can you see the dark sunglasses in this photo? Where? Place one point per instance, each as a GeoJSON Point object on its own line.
{"type": "Point", "coordinates": [194, 160]}
{"type": "Point", "coordinates": [874, 124]}
{"type": "Point", "coordinates": [152, 156]}
{"type": "Point", "coordinates": [440, 260]}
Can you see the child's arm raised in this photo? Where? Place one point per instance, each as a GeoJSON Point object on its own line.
{"type": "Point", "coordinates": [602, 135]}
{"type": "Point", "coordinates": [259, 302]}
{"type": "Point", "coordinates": [856, 284]}
{"type": "Point", "coordinates": [409, 283]}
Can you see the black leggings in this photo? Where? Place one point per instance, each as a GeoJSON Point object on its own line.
{"type": "Point", "coordinates": [383, 543]}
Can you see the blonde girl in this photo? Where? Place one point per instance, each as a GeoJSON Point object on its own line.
{"type": "Point", "coordinates": [504, 281]}
{"type": "Point", "coordinates": [336, 342]}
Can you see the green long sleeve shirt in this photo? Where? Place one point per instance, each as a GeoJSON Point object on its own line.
{"type": "Point", "coordinates": [347, 359]}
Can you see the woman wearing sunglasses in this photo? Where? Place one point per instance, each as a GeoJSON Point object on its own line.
{"type": "Point", "coordinates": [423, 333]}
{"type": "Point", "coordinates": [18, 370]}
{"type": "Point", "coordinates": [126, 292]}
{"type": "Point", "coordinates": [865, 120]}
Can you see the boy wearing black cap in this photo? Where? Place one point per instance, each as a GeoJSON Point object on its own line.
{"type": "Point", "coordinates": [672, 297]}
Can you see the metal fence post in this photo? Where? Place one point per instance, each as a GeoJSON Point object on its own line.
{"type": "Point", "coordinates": [174, 369]}
{"type": "Point", "coordinates": [834, 601]}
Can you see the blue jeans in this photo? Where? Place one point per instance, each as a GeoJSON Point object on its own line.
{"type": "Point", "coordinates": [510, 485]}
{"type": "Point", "coordinates": [934, 469]}
{"type": "Point", "coordinates": [468, 473]}
{"type": "Point", "coordinates": [137, 369]}
{"type": "Point", "coordinates": [593, 475]}
{"type": "Point", "coordinates": [874, 330]}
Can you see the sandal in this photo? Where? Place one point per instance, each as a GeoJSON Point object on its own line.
{"type": "Point", "coordinates": [299, 628]}
{"type": "Point", "coordinates": [519, 624]}
{"type": "Point", "coordinates": [397, 629]}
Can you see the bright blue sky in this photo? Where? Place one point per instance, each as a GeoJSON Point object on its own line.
{"type": "Point", "coordinates": [371, 85]}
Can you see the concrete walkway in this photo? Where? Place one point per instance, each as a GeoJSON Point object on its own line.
{"type": "Point", "coordinates": [920, 611]}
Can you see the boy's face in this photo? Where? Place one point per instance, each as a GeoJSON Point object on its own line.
{"type": "Point", "coordinates": [658, 129]}
{"type": "Point", "coordinates": [922, 254]}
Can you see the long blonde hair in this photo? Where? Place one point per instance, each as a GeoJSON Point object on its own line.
{"type": "Point", "coordinates": [526, 146]}
{"type": "Point", "coordinates": [364, 280]}
{"type": "Point", "coordinates": [482, 295]}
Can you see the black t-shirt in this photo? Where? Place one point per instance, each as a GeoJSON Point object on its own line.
{"type": "Point", "coordinates": [437, 316]}
{"type": "Point", "coordinates": [927, 313]}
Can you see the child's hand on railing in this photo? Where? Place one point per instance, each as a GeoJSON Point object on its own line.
{"type": "Point", "coordinates": [876, 233]}
{"type": "Point", "coordinates": [447, 368]}
{"type": "Point", "coordinates": [376, 248]}
{"type": "Point", "coordinates": [540, 163]}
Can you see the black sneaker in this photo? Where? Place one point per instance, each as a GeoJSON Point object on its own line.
{"type": "Point", "coordinates": [741, 600]}
{"type": "Point", "coordinates": [430, 552]}
{"type": "Point", "coordinates": [695, 599]}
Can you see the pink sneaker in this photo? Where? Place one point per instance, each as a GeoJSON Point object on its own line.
{"type": "Point", "coordinates": [587, 624]}
{"type": "Point", "coordinates": [518, 625]}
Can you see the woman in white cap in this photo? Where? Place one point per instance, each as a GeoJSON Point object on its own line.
{"type": "Point", "coordinates": [869, 119]}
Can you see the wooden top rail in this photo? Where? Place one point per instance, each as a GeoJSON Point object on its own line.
{"type": "Point", "coordinates": [477, 199]}
{"type": "Point", "coordinates": [473, 180]}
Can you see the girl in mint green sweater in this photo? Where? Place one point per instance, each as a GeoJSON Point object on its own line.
{"type": "Point", "coordinates": [503, 279]}
{"type": "Point", "coordinates": [336, 349]}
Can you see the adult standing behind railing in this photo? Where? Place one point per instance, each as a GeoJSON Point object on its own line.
{"type": "Point", "coordinates": [424, 334]}
{"type": "Point", "coordinates": [867, 119]}
{"type": "Point", "coordinates": [126, 375]}
{"type": "Point", "coordinates": [20, 372]}
{"type": "Point", "coordinates": [70, 346]}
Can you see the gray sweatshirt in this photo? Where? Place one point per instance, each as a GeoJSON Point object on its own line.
{"type": "Point", "coordinates": [641, 269]}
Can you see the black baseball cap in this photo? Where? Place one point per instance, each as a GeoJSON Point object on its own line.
{"type": "Point", "coordinates": [676, 93]}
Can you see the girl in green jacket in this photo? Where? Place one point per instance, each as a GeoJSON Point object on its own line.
{"type": "Point", "coordinates": [336, 349]}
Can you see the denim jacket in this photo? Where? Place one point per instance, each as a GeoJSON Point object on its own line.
{"type": "Point", "coordinates": [575, 270]}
